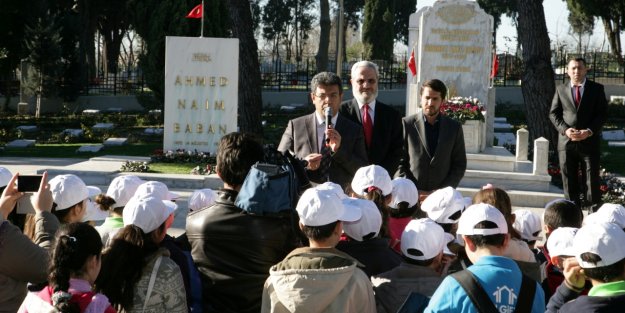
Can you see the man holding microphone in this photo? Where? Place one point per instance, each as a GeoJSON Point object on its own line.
{"type": "Point", "coordinates": [333, 146]}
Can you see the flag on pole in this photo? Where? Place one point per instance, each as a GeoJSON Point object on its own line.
{"type": "Point", "coordinates": [495, 69]}
{"type": "Point", "coordinates": [412, 64]}
{"type": "Point", "coordinates": [196, 12]}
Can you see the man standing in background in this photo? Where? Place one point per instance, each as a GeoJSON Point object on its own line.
{"type": "Point", "coordinates": [578, 111]}
{"type": "Point", "coordinates": [381, 124]}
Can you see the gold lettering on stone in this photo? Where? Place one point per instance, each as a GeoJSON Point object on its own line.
{"type": "Point", "coordinates": [187, 129]}
{"type": "Point", "coordinates": [200, 81]}
{"type": "Point", "coordinates": [219, 105]}
{"type": "Point", "coordinates": [211, 130]}
{"type": "Point", "coordinates": [188, 80]}
{"type": "Point", "coordinates": [194, 105]}
{"type": "Point", "coordinates": [178, 81]}
{"type": "Point", "coordinates": [456, 14]}
{"type": "Point", "coordinates": [223, 129]}
{"type": "Point", "coordinates": [200, 128]}
{"type": "Point", "coordinates": [201, 57]}
{"type": "Point", "coordinates": [182, 104]}
{"type": "Point", "coordinates": [223, 81]}
{"type": "Point", "coordinates": [176, 128]}
{"type": "Point", "coordinates": [212, 81]}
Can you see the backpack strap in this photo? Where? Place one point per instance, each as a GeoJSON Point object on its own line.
{"type": "Point", "coordinates": [526, 296]}
{"type": "Point", "coordinates": [474, 290]}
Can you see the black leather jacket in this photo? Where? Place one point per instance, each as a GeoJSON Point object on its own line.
{"type": "Point", "coordinates": [233, 252]}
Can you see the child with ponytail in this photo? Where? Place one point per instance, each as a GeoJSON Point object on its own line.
{"type": "Point", "coordinates": [74, 267]}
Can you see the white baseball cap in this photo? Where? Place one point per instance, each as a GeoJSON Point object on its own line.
{"type": "Point", "coordinates": [369, 222]}
{"type": "Point", "coordinates": [527, 224]}
{"type": "Point", "coordinates": [68, 190]}
{"type": "Point", "coordinates": [372, 176]}
{"type": "Point", "coordinates": [157, 189]}
{"type": "Point", "coordinates": [122, 188]}
{"type": "Point", "coordinates": [603, 239]}
{"type": "Point", "coordinates": [333, 187]}
{"type": "Point", "coordinates": [5, 176]}
{"type": "Point", "coordinates": [202, 198]}
{"type": "Point", "coordinates": [478, 213]}
{"type": "Point", "coordinates": [442, 204]}
{"type": "Point", "coordinates": [93, 212]}
{"type": "Point", "coordinates": [423, 239]}
{"type": "Point", "coordinates": [608, 213]}
{"type": "Point", "coordinates": [321, 207]}
{"type": "Point", "coordinates": [560, 241]}
{"type": "Point", "coordinates": [404, 190]}
{"type": "Point", "coordinates": [147, 212]}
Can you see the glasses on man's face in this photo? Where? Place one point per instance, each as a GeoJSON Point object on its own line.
{"type": "Point", "coordinates": [370, 81]}
{"type": "Point", "coordinates": [332, 96]}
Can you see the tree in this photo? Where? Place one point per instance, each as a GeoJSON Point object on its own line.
{"type": "Point", "coordinates": [113, 24]}
{"type": "Point", "coordinates": [403, 9]}
{"type": "Point", "coordinates": [324, 36]}
{"type": "Point", "coordinates": [378, 29]}
{"type": "Point", "coordinates": [12, 28]}
{"type": "Point", "coordinates": [581, 24]}
{"type": "Point", "coordinates": [538, 80]}
{"type": "Point", "coordinates": [250, 98]}
{"type": "Point", "coordinates": [612, 13]}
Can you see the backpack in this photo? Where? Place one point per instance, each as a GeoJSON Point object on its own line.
{"type": "Point", "coordinates": [273, 187]}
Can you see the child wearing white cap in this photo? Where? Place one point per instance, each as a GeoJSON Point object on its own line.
{"type": "Point", "coordinates": [608, 213]}
{"type": "Point", "coordinates": [135, 249]}
{"type": "Point", "coordinates": [319, 277]}
{"type": "Point", "coordinates": [201, 198]}
{"type": "Point", "coordinates": [599, 251]}
{"type": "Point", "coordinates": [528, 226]}
{"type": "Point", "coordinates": [70, 196]}
{"type": "Point", "coordinates": [484, 230]}
{"type": "Point", "coordinates": [422, 246]}
{"type": "Point", "coordinates": [373, 183]}
{"type": "Point", "coordinates": [363, 240]}
{"type": "Point", "coordinates": [402, 209]}
{"type": "Point", "coordinates": [119, 192]}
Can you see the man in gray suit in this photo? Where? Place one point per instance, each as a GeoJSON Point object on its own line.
{"type": "Point", "coordinates": [333, 152]}
{"type": "Point", "coordinates": [434, 155]}
{"type": "Point", "coordinates": [578, 111]}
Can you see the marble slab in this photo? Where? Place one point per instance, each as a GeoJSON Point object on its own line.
{"type": "Point", "coordinates": [502, 125]}
{"type": "Point", "coordinates": [500, 120]}
{"type": "Point", "coordinates": [90, 148]}
{"type": "Point", "coordinates": [153, 131]}
{"type": "Point", "coordinates": [21, 143]}
{"type": "Point", "coordinates": [613, 135]}
{"type": "Point", "coordinates": [103, 126]}
{"type": "Point", "coordinates": [27, 128]}
{"type": "Point", "coordinates": [76, 132]}
{"type": "Point", "coordinates": [616, 144]}
{"type": "Point", "coordinates": [115, 141]}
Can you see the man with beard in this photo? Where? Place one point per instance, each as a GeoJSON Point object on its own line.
{"type": "Point", "coordinates": [434, 155]}
{"type": "Point", "coordinates": [381, 124]}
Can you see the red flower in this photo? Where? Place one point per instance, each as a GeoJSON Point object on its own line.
{"type": "Point", "coordinates": [604, 188]}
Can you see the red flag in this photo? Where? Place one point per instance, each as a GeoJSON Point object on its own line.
{"type": "Point", "coordinates": [495, 69]}
{"type": "Point", "coordinates": [196, 12]}
{"type": "Point", "coordinates": [412, 64]}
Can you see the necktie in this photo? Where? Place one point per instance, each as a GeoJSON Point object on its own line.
{"type": "Point", "coordinates": [367, 126]}
{"type": "Point", "coordinates": [578, 96]}
{"type": "Point", "coordinates": [326, 159]}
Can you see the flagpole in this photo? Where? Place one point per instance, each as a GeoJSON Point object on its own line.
{"type": "Point", "coordinates": [202, 26]}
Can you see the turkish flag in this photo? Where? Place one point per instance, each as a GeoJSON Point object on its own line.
{"type": "Point", "coordinates": [495, 69]}
{"type": "Point", "coordinates": [412, 64]}
{"type": "Point", "coordinates": [196, 12]}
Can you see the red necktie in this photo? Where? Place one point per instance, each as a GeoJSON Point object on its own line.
{"type": "Point", "coordinates": [367, 126]}
{"type": "Point", "coordinates": [578, 95]}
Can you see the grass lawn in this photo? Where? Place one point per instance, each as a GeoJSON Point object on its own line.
{"type": "Point", "coordinates": [69, 150]}
{"type": "Point", "coordinates": [171, 168]}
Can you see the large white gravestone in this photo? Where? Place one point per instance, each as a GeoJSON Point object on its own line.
{"type": "Point", "coordinates": [452, 41]}
{"type": "Point", "coordinates": [201, 88]}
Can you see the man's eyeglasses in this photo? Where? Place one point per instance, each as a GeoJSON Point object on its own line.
{"type": "Point", "coordinates": [331, 96]}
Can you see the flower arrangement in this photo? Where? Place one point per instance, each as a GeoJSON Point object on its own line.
{"type": "Point", "coordinates": [612, 188]}
{"type": "Point", "coordinates": [182, 156]}
{"type": "Point", "coordinates": [135, 166]}
{"type": "Point", "coordinates": [463, 109]}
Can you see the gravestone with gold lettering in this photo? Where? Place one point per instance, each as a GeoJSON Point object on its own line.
{"type": "Point", "coordinates": [201, 88]}
{"type": "Point", "coordinates": [452, 41]}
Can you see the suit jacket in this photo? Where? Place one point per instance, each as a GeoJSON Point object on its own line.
{"type": "Point", "coordinates": [591, 113]}
{"type": "Point", "coordinates": [300, 138]}
{"type": "Point", "coordinates": [431, 170]}
{"type": "Point", "coordinates": [386, 144]}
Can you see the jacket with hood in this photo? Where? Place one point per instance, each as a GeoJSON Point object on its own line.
{"type": "Point", "coordinates": [318, 280]}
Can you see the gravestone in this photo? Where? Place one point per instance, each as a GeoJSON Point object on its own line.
{"type": "Point", "coordinates": [27, 128]}
{"type": "Point", "coordinates": [115, 141]}
{"type": "Point", "coordinates": [616, 135]}
{"type": "Point", "coordinates": [90, 148]}
{"type": "Point", "coordinates": [74, 132]}
{"type": "Point", "coordinates": [103, 126]}
{"type": "Point", "coordinates": [21, 143]}
{"type": "Point", "coordinates": [201, 92]}
{"type": "Point", "coordinates": [452, 41]}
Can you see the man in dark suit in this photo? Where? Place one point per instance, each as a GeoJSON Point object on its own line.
{"type": "Point", "coordinates": [434, 155]}
{"type": "Point", "coordinates": [381, 124]}
{"type": "Point", "coordinates": [578, 111]}
{"type": "Point", "coordinates": [332, 153]}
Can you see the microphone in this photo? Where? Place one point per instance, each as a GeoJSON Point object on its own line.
{"type": "Point", "coordinates": [328, 114]}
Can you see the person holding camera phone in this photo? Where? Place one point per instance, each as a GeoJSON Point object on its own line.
{"type": "Point", "coordinates": [23, 260]}
{"type": "Point", "coordinates": [332, 145]}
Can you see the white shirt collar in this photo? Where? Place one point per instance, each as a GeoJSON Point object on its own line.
{"type": "Point", "coordinates": [322, 120]}
{"type": "Point", "coordinates": [582, 84]}
{"type": "Point", "coordinates": [371, 105]}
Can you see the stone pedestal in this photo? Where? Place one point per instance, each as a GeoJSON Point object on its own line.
{"type": "Point", "coordinates": [474, 136]}
{"type": "Point", "coordinates": [22, 108]}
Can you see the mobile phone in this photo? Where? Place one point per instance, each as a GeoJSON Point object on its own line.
{"type": "Point", "coordinates": [28, 183]}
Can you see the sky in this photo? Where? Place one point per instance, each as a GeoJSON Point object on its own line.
{"type": "Point", "coordinates": [556, 16]}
